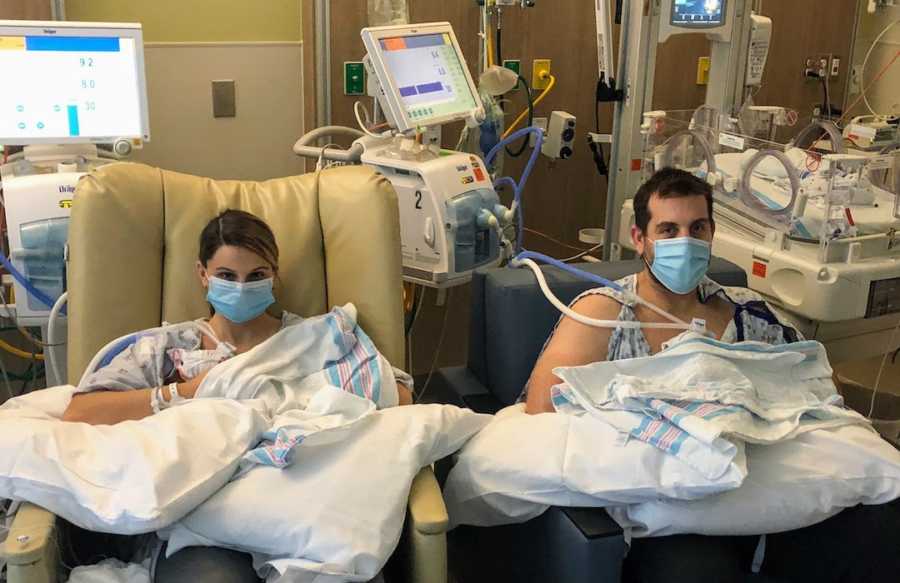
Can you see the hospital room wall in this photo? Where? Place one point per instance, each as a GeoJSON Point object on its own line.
{"type": "Point", "coordinates": [25, 10]}
{"type": "Point", "coordinates": [884, 96]}
{"type": "Point", "coordinates": [190, 44]}
{"type": "Point", "coordinates": [565, 196]}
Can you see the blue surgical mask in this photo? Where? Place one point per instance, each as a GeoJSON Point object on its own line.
{"type": "Point", "coordinates": [680, 264]}
{"type": "Point", "coordinates": [240, 302]}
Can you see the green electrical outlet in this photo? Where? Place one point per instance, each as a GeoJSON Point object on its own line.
{"type": "Point", "coordinates": [354, 78]}
{"type": "Point", "coordinates": [513, 65]}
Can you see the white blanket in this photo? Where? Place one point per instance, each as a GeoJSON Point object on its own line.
{"type": "Point", "coordinates": [521, 464]}
{"type": "Point", "coordinates": [791, 485]}
{"type": "Point", "coordinates": [337, 512]}
{"type": "Point", "coordinates": [698, 397]}
{"type": "Point", "coordinates": [110, 571]}
{"type": "Point", "coordinates": [288, 368]}
{"type": "Point", "coordinates": [128, 478]}
{"type": "Point", "coordinates": [313, 387]}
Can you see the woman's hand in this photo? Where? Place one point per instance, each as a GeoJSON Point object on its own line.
{"type": "Point", "coordinates": [188, 388]}
{"type": "Point", "coordinates": [404, 395]}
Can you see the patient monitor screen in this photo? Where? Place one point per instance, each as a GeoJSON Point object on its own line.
{"type": "Point", "coordinates": [699, 13]}
{"type": "Point", "coordinates": [428, 75]}
{"type": "Point", "coordinates": [70, 88]}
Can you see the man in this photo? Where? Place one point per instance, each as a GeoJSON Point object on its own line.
{"type": "Point", "coordinates": [673, 233]}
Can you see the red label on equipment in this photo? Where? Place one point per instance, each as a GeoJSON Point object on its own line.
{"type": "Point", "coordinates": [759, 269]}
{"type": "Point", "coordinates": [636, 164]}
{"type": "Point", "coordinates": [479, 174]}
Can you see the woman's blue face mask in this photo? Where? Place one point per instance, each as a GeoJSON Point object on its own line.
{"type": "Point", "coordinates": [240, 302]}
{"type": "Point", "coordinates": [680, 264]}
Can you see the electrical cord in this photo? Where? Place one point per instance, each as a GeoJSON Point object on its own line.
{"type": "Point", "coordinates": [7, 347]}
{"type": "Point", "coordinates": [498, 41]}
{"type": "Point", "coordinates": [582, 254]}
{"type": "Point", "coordinates": [9, 390]}
{"type": "Point", "coordinates": [526, 139]}
{"type": "Point", "coordinates": [557, 241]}
{"type": "Point", "coordinates": [524, 113]}
{"type": "Point", "coordinates": [881, 370]}
{"type": "Point", "coordinates": [22, 330]}
{"type": "Point", "coordinates": [359, 119]}
{"type": "Point", "coordinates": [437, 350]}
{"type": "Point", "coordinates": [414, 311]}
{"type": "Point", "coordinates": [596, 147]}
{"type": "Point", "coordinates": [827, 104]}
{"type": "Point", "coordinates": [865, 62]}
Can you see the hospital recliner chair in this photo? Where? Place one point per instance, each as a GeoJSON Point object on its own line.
{"type": "Point", "coordinates": [133, 246]}
{"type": "Point", "coordinates": [511, 319]}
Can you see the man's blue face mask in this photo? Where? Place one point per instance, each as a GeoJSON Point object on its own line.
{"type": "Point", "coordinates": [240, 302]}
{"type": "Point", "coordinates": [680, 264]}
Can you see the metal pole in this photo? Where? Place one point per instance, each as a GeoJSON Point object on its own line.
{"type": "Point", "coordinates": [58, 9]}
{"type": "Point", "coordinates": [637, 66]}
{"type": "Point", "coordinates": [323, 63]}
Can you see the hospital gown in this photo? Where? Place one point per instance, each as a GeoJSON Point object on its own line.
{"type": "Point", "coordinates": [753, 320]}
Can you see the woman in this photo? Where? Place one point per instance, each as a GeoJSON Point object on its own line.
{"type": "Point", "coordinates": [238, 266]}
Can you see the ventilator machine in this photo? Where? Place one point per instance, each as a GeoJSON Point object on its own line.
{"type": "Point", "coordinates": [77, 100]}
{"type": "Point", "coordinates": [451, 218]}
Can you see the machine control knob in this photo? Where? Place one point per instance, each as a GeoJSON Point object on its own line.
{"type": "Point", "coordinates": [429, 232]}
{"type": "Point", "coordinates": [122, 147]}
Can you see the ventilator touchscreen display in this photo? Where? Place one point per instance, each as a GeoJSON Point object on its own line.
{"type": "Point", "coordinates": [429, 76]}
{"type": "Point", "coordinates": [701, 13]}
{"type": "Point", "coordinates": [69, 88]}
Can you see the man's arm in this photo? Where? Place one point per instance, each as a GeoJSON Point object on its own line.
{"type": "Point", "coordinates": [572, 344]}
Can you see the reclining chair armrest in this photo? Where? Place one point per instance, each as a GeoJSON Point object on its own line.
{"type": "Point", "coordinates": [426, 505]}
{"type": "Point", "coordinates": [425, 554]}
{"type": "Point", "coordinates": [30, 549]}
{"type": "Point", "coordinates": [465, 390]}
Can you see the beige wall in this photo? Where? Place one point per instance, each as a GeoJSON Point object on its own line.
{"type": "Point", "coordinates": [198, 20]}
{"type": "Point", "coordinates": [253, 145]}
{"type": "Point", "coordinates": [190, 43]}
{"type": "Point", "coordinates": [884, 96]}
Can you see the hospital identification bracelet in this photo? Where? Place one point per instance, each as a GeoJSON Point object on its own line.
{"type": "Point", "coordinates": [158, 402]}
{"type": "Point", "coordinates": [174, 397]}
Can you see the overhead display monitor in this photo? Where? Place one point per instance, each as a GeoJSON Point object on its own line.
{"type": "Point", "coordinates": [71, 82]}
{"type": "Point", "coordinates": [698, 13]}
{"type": "Point", "coordinates": [423, 74]}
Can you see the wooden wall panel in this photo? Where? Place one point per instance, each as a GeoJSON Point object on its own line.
{"type": "Point", "coordinates": [675, 82]}
{"type": "Point", "coordinates": [802, 28]}
{"type": "Point", "coordinates": [25, 9]}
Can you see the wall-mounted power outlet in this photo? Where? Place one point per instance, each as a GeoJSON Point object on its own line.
{"type": "Point", "coordinates": [539, 122]}
{"type": "Point", "coordinates": [817, 66]}
{"type": "Point", "coordinates": [540, 74]}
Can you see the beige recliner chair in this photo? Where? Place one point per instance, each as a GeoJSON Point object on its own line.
{"type": "Point", "coordinates": [133, 245]}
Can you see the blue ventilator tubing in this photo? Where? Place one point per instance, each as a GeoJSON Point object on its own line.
{"type": "Point", "coordinates": [519, 186]}
{"type": "Point", "coordinates": [17, 275]}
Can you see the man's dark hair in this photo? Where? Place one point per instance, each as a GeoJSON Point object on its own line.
{"type": "Point", "coordinates": [669, 183]}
